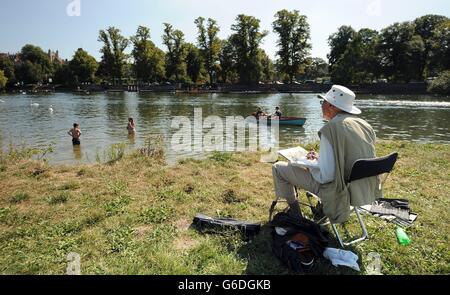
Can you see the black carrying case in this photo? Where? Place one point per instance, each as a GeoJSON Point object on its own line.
{"type": "Point", "coordinates": [206, 224]}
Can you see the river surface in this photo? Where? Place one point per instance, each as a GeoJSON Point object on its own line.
{"type": "Point", "coordinates": [103, 119]}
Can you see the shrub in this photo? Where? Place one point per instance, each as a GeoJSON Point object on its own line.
{"type": "Point", "coordinates": [153, 148]}
{"type": "Point", "coordinates": [115, 153]}
{"type": "Point", "coordinates": [112, 155]}
{"type": "Point", "coordinates": [441, 84]}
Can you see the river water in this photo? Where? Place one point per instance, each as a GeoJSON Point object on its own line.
{"type": "Point", "coordinates": [103, 119]}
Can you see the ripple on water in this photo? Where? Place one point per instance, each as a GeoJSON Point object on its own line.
{"type": "Point", "coordinates": [103, 118]}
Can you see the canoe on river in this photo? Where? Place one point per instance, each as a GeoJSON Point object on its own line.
{"type": "Point", "coordinates": [293, 121]}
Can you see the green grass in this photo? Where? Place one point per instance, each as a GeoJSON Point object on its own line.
{"type": "Point", "coordinates": [221, 157]}
{"type": "Point", "coordinates": [59, 199]}
{"type": "Point", "coordinates": [133, 215]}
{"type": "Point", "coordinates": [19, 198]}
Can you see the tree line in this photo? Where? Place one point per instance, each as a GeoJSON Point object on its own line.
{"type": "Point", "coordinates": [402, 52]}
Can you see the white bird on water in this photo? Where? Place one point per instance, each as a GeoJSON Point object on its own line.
{"type": "Point", "coordinates": [50, 109]}
{"type": "Point", "coordinates": [1, 100]}
{"type": "Point", "coordinates": [33, 104]}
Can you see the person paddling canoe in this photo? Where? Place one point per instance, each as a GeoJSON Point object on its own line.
{"type": "Point", "coordinates": [277, 113]}
{"type": "Point", "coordinates": [259, 113]}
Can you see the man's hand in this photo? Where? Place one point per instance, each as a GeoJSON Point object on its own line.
{"type": "Point", "coordinates": [312, 155]}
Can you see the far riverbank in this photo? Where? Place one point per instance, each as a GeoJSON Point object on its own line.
{"type": "Point", "coordinates": [418, 88]}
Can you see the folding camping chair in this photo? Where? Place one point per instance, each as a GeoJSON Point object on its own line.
{"type": "Point", "coordinates": [361, 169]}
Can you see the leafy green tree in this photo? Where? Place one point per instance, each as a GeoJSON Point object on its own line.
{"type": "Point", "coordinates": [228, 62]}
{"type": "Point", "coordinates": [343, 70]}
{"type": "Point", "coordinates": [3, 79]}
{"type": "Point", "coordinates": [315, 68]}
{"type": "Point", "coordinates": [34, 65]}
{"type": "Point", "coordinates": [64, 76]}
{"type": "Point", "coordinates": [114, 59]}
{"type": "Point", "coordinates": [209, 44]}
{"type": "Point", "coordinates": [37, 56]}
{"type": "Point", "coordinates": [28, 72]}
{"type": "Point", "coordinates": [83, 66]}
{"type": "Point", "coordinates": [439, 55]}
{"type": "Point", "coordinates": [358, 61]}
{"type": "Point", "coordinates": [365, 59]}
{"type": "Point", "coordinates": [424, 27]}
{"type": "Point", "coordinates": [401, 52]}
{"type": "Point", "coordinates": [149, 63]}
{"type": "Point", "coordinates": [441, 84]}
{"type": "Point", "coordinates": [194, 63]}
{"type": "Point", "coordinates": [268, 68]}
{"type": "Point", "coordinates": [176, 53]}
{"type": "Point", "coordinates": [246, 40]}
{"type": "Point", "coordinates": [293, 36]}
{"type": "Point", "coordinates": [338, 43]}
{"type": "Point", "coordinates": [7, 66]}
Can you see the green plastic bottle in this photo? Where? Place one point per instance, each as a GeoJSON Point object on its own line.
{"type": "Point", "coordinates": [402, 237]}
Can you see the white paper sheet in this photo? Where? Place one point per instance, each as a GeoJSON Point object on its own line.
{"type": "Point", "coordinates": [297, 157]}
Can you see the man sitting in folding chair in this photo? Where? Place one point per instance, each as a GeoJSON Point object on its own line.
{"type": "Point", "coordinates": [344, 139]}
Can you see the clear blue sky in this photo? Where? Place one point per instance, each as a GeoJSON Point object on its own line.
{"type": "Point", "coordinates": [46, 23]}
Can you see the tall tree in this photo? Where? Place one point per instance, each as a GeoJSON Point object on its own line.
{"type": "Point", "coordinates": [228, 62]}
{"type": "Point", "coordinates": [268, 68]}
{"type": "Point", "coordinates": [194, 63]}
{"type": "Point", "coordinates": [246, 40]}
{"type": "Point", "coordinates": [114, 58]}
{"type": "Point", "coordinates": [358, 60]}
{"type": "Point", "coordinates": [338, 43]}
{"type": "Point", "coordinates": [83, 66]}
{"type": "Point", "coordinates": [34, 65]}
{"type": "Point", "coordinates": [64, 76]}
{"type": "Point", "coordinates": [401, 52]}
{"type": "Point", "coordinates": [369, 59]}
{"type": "Point", "coordinates": [149, 60]}
{"type": "Point", "coordinates": [424, 27]}
{"type": "Point", "coordinates": [439, 54]}
{"type": "Point", "coordinates": [28, 72]}
{"type": "Point", "coordinates": [3, 79]}
{"type": "Point", "coordinates": [315, 68]}
{"type": "Point", "coordinates": [293, 36]}
{"type": "Point", "coordinates": [176, 53]}
{"type": "Point", "coordinates": [209, 44]}
{"type": "Point", "coordinates": [7, 66]}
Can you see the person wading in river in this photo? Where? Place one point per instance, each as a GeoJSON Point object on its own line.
{"type": "Point", "coordinates": [75, 132]}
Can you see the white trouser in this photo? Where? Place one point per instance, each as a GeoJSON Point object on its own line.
{"type": "Point", "coordinates": [286, 177]}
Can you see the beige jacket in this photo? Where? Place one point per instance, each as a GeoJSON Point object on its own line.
{"type": "Point", "coordinates": [352, 139]}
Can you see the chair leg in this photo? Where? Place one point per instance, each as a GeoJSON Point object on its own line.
{"type": "Point", "coordinates": [361, 223]}
{"type": "Point", "coordinates": [364, 236]}
{"type": "Point", "coordinates": [337, 235]}
{"type": "Point", "coordinates": [272, 207]}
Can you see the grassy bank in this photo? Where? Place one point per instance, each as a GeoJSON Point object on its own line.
{"type": "Point", "coordinates": [133, 216]}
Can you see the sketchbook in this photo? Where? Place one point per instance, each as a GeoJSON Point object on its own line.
{"type": "Point", "coordinates": [297, 157]}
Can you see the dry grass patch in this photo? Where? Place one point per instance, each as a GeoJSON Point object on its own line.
{"type": "Point", "coordinates": [134, 216]}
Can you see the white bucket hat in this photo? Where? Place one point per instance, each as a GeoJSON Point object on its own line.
{"type": "Point", "coordinates": [342, 98]}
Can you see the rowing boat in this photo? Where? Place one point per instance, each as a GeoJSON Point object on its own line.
{"type": "Point", "coordinates": [293, 121]}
